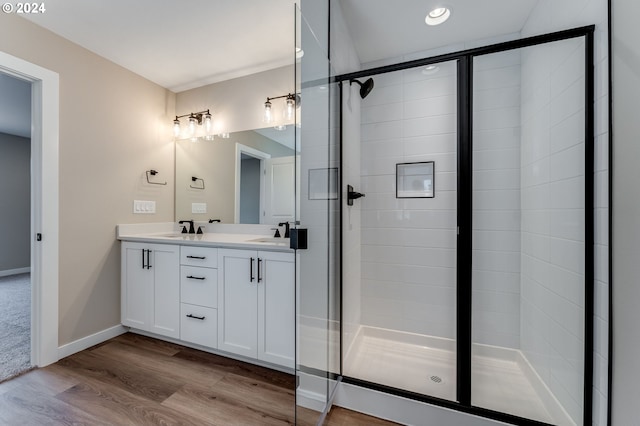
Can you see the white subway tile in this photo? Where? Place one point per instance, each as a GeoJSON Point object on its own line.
{"type": "Point", "coordinates": [428, 107]}
{"type": "Point", "coordinates": [383, 112]}
{"type": "Point", "coordinates": [433, 125]}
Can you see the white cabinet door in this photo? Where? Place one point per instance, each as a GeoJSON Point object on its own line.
{"type": "Point", "coordinates": [165, 265]}
{"type": "Point", "coordinates": [136, 282]}
{"type": "Point", "coordinates": [276, 308]}
{"type": "Point", "coordinates": [150, 293]}
{"type": "Point", "coordinates": [237, 301]}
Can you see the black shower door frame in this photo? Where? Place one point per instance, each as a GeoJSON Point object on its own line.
{"type": "Point", "coordinates": [464, 61]}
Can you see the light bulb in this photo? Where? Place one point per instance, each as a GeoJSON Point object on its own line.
{"type": "Point", "coordinates": [208, 124]}
{"type": "Point", "coordinates": [192, 125]}
{"type": "Point", "coordinates": [437, 16]}
{"type": "Point", "coordinates": [267, 112]}
{"type": "Point", "coordinates": [176, 127]}
{"type": "Point", "coordinates": [289, 112]}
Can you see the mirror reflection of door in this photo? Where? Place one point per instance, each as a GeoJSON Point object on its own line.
{"type": "Point", "coordinates": [250, 184]}
{"type": "Point", "coordinates": [279, 190]}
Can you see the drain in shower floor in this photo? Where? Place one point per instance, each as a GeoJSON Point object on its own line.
{"type": "Point", "coordinates": [436, 379]}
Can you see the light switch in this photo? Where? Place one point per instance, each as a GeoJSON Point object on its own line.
{"type": "Point", "coordinates": [144, 207]}
{"type": "Point", "coordinates": [198, 207]}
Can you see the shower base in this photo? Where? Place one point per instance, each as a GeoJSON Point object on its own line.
{"type": "Point", "coordinates": [502, 379]}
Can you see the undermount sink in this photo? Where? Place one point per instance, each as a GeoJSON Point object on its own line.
{"type": "Point", "coordinates": [172, 235]}
{"type": "Point", "coordinates": [271, 240]}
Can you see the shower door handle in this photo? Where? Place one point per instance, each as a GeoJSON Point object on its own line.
{"type": "Point", "coordinates": [352, 195]}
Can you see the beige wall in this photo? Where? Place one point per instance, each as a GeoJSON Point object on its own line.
{"type": "Point", "coordinates": [114, 125]}
{"type": "Point", "coordinates": [237, 104]}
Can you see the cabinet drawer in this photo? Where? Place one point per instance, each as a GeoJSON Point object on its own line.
{"type": "Point", "coordinates": [199, 286]}
{"type": "Point", "coordinates": [199, 325]}
{"type": "Point", "coordinates": [199, 256]}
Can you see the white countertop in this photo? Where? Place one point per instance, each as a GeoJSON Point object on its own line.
{"type": "Point", "coordinates": [165, 234]}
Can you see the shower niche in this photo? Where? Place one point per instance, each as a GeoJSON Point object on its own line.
{"type": "Point", "coordinates": [479, 299]}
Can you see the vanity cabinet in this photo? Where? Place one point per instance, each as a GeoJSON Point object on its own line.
{"type": "Point", "coordinates": [199, 295]}
{"type": "Point", "coordinates": [256, 305]}
{"type": "Point", "coordinates": [150, 294]}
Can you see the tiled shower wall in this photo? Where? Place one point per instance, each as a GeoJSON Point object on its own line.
{"type": "Point", "coordinates": [553, 237]}
{"type": "Point", "coordinates": [408, 245]}
{"type": "Point", "coordinates": [548, 16]}
{"type": "Point", "coordinates": [496, 200]}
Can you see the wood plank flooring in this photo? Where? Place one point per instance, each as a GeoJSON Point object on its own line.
{"type": "Point", "coordinates": [136, 380]}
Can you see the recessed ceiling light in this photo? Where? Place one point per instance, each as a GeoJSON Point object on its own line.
{"type": "Point", "coordinates": [437, 16]}
{"type": "Point", "coordinates": [430, 69]}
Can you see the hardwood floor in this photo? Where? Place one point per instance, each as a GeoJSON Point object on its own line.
{"type": "Point", "coordinates": [135, 380]}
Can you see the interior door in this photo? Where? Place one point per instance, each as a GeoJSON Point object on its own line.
{"type": "Point", "coordinates": [279, 190]}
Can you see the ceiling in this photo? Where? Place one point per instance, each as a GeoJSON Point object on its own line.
{"type": "Point", "coordinates": [186, 44]}
{"type": "Point", "coordinates": [179, 44]}
{"type": "Point", "coordinates": [386, 29]}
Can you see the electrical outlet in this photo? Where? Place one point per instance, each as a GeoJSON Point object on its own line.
{"type": "Point", "coordinates": [198, 207]}
{"type": "Point", "coordinates": [144, 207]}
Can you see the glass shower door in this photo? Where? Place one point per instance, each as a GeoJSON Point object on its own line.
{"type": "Point", "coordinates": [529, 234]}
{"type": "Point", "coordinates": [400, 148]}
{"type": "Point", "coordinates": [317, 265]}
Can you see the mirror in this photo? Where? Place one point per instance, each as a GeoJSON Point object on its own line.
{"type": "Point", "coordinates": [241, 177]}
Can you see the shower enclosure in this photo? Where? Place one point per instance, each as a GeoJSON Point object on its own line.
{"type": "Point", "coordinates": [467, 272]}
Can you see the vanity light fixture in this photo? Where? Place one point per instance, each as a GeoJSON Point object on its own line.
{"type": "Point", "coordinates": [268, 118]}
{"type": "Point", "coordinates": [437, 16]}
{"type": "Point", "coordinates": [202, 118]}
{"type": "Point", "coordinates": [292, 101]}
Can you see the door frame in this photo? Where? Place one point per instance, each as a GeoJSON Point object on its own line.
{"type": "Point", "coordinates": [45, 94]}
{"type": "Point", "coordinates": [464, 220]}
{"type": "Point", "coordinates": [251, 152]}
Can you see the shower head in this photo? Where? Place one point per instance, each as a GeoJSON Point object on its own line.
{"type": "Point", "coordinates": [365, 88]}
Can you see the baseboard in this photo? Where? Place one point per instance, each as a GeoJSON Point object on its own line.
{"type": "Point", "coordinates": [92, 340]}
{"type": "Point", "coordinates": [16, 271]}
{"type": "Point", "coordinates": [214, 351]}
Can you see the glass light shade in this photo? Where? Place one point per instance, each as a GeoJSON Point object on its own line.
{"type": "Point", "coordinates": [176, 128]}
{"type": "Point", "coordinates": [289, 111]}
{"type": "Point", "coordinates": [192, 125]}
{"type": "Point", "coordinates": [208, 123]}
{"type": "Point", "coordinates": [268, 117]}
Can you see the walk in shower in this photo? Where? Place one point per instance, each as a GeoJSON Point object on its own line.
{"type": "Point", "coordinates": [466, 268]}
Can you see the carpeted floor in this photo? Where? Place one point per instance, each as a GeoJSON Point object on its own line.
{"type": "Point", "coordinates": [15, 325]}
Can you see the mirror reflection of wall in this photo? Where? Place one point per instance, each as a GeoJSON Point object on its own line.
{"type": "Point", "coordinates": [243, 177]}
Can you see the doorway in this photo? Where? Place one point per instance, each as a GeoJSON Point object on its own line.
{"type": "Point", "coordinates": [43, 234]}
{"type": "Point", "coordinates": [15, 211]}
{"type": "Point", "coordinates": [475, 282]}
